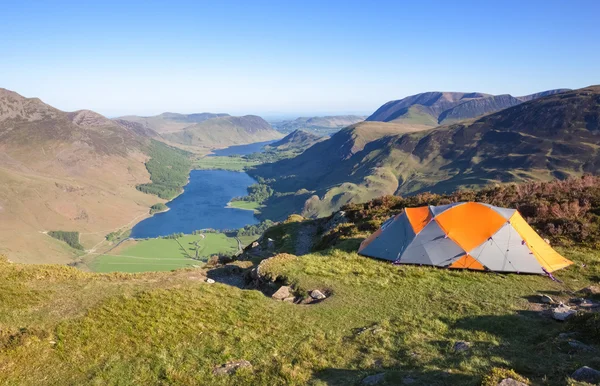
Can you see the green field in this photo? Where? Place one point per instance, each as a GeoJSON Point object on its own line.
{"type": "Point", "coordinates": [247, 205]}
{"type": "Point", "coordinates": [236, 164]}
{"type": "Point", "coordinates": [163, 254]}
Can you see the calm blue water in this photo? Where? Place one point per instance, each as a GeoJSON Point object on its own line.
{"type": "Point", "coordinates": [201, 205]}
{"type": "Point", "coordinates": [242, 149]}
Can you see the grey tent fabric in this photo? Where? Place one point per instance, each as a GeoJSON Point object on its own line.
{"type": "Point", "coordinates": [393, 240]}
{"type": "Point", "coordinates": [504, 212]}
{"type": "Point", "coordinates": [431, 246]}
{"type": "Point", "coordinates": [506, 251]}
{"type": "Point", "coordinates": [436, 210]}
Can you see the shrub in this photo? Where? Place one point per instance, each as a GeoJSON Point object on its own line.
{"type": "Point", "coordinates": [587, 324]}
{"type": "Point", "coordinates": [160, 207]}
{"type": "Point", "coordinates": [498, 374]}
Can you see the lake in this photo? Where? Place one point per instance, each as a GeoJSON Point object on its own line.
{"type": "Point", "coordinates": [242, 149]}
{"type": "Point", "coordinates": [201, 205]}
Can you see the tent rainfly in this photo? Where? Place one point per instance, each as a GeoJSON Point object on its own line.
{"type": "Point", "coordinates": [467, 235]}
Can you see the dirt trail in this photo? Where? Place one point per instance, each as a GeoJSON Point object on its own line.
{"type": "Point", "coordinates": [304, 240]}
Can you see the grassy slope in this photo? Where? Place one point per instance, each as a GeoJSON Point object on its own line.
{"type": "Point", "coordinates": [163, 254]}
{"type": "Point", "coordinates": [173, 329]}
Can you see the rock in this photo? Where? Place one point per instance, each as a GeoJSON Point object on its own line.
{"type": "Point", "coordinates": [373, 379]}
{"type": "Point", "coordinates": [282, 293]}
{"type": "Point", "coordinates": [577, 300]}
{"type": "Point", "coordinates": [586, 374]}
{"type": "Point", "coordinates": [562, 312]}
{"type": "Point", "coordinates": [255, 244]}
{"type": "Point", "coordinates": [591, 290]}
{"type": "Point", "coordinates": [587, 303]}
{"type": "Point", "coordinates": [408, 380]}
{"type": "Point", "coordinates": [290, 299]}
{"type": "Point", "coordinates": [210, 281]}
{"type": "Point", "coordinates": [546, 299]}
{"type": "Point", "coordinates": [231, 367]}
{"type": "Point", "coordinates": [547, 241]}
{"type": "Point", "coordinates": [579, 345]}
{"type": "Point", "coordinates": [566, 335]}
{"type": "Point", "coordinates": [317, 295]}
{"type": "Point", "coordinates": [461, 346]}
{"type": "Point", "coordinates": [511, 382]}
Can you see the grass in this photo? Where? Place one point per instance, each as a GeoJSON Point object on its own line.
{"type": "Point", "coordinates": [233, 163]}
{"type": "Point", "coordinates": [163, 254]}
{"type": "Point", "coordinates": [170, 328]}
{"type": "Point", "coordinates": [247, 205]}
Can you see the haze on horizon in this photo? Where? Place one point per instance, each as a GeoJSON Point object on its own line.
{"type": "Point", "coordinates": [278, 59]}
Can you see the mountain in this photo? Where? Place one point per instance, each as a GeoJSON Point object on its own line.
{"type": "Point", "coordinates": [553, 136]}
{"type": "Point", "coordinates": [170, 122]}
{"type": "Point", "coordinates": [297, 140]}
{"type": "Point", "coordinates": [326, 125]}
{"type": "Point", "coordinates": [435, 108]}
{"type": "Point", "coordinates": [65, 171]}
{"type": "Point", "coordinates": [225, 131]}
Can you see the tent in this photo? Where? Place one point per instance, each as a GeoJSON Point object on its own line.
{"type": "Point", "coordinates": [468, 235]}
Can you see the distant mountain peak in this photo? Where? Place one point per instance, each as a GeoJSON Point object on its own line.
{"type": "Point", "coordinates": [88, 118]}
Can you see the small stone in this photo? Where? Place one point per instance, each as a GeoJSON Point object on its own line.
{"type": "Point", "coordinates": [587, 303]}
{"type": "Point", "coordinates": [210, 281]}
{"type": "Point", "coordinates": [290, 299]}
{"type": "Point", "coordinates": [546, 299]}
{"type": "Point", "coordinates": [52, 342]}
{"type": "Point", "coordinates": [562, 312]}
{"type": "Point", "coordinates": [586, 374]}
{"type": "Point", "coordinates": [282, 293]}
{"type": "Point", "coordinates": [255, 245]}
{"type": "Point", "coordinates": [511, 382]}
{"type": "Point", "coordinates": [373, 379]}
{"type": "Point", "coordinates": [547, 241]}
{"type": "Point", "coordinates": [461, 346]}
{"type": "Point", "coordinates": [231, 367]}
{"type": "Point", "coordinates": [317, 295]}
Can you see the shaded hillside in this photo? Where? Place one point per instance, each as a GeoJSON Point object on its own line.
{"type": "Point", "coordinates": [170, 122]}
{"type": "Point", "coordinates": [434, 108]}
{"type": "Point", "coordinates": [298, 140]}
{"type": "Point", "coordinates": [226, 131]}
{"type": "Point", "coordinates": [64, 171]}
{"type": "Point", "coordinates": [555, 136]}
{"type": "Point", "coordinates": [326, 125]}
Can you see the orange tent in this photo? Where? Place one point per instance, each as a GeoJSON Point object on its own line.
{"type": "Point", "coordinates": [463, 235]}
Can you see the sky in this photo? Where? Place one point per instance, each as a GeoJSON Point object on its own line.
{"type": "Point", "coordinates": [278, 58]}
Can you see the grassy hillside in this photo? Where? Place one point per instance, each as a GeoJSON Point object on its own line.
{"type": "Point", "coordinates": [326, 125]}
{"type": "Point", "coordinates": [169, 122]}
{"type": "Point", "coordinates": [225, 131]}
{"type": "Point", "coordinates": [555, 136]}
{"type": "Point", "coordinates": [65, 171]}
{"type": "Point", "coordinates": [65, 326]}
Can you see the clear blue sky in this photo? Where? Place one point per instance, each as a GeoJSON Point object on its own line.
{"type": "Point", "coordinates": [289, 57]}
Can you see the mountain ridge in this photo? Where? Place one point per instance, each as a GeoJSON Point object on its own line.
{"type": "Point", "coordinates": [436, 107]}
